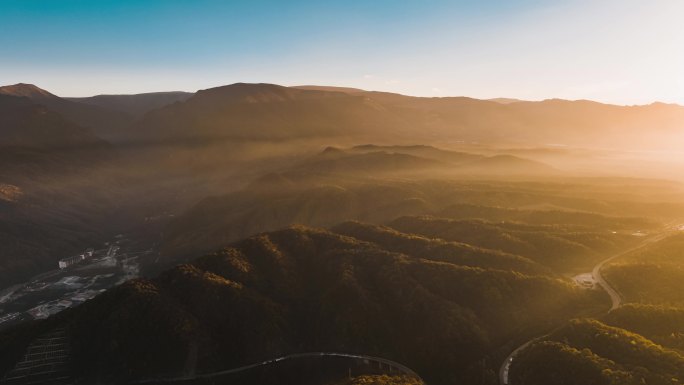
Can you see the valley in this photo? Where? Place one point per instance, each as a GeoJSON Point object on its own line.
{"type": "Point", "coordinates": [252, 232]}
{"type": "Point", "coordinates": [341, 192]}
{"type": "Point", "coordinates": [56, 290]}
{"type": "Point", "coordinates": [593, 280]}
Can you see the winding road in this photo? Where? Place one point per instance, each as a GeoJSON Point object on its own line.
{"type": "Point", "coordinates": [615, 298]}
{"type": "Point", "coordinates": [504, 370]}
{"type": "Point", "coordinates": [378, 360]}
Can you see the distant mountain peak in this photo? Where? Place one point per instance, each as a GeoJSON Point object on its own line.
{"type": "Point", "coordinates": [505, 100]}
{"type": "Point", "coordinates": [239, 88]}
{"type": "Point", "coordinates": [26, 90]}
{"type": "Point", "coordinates": [329, 88]}
{"type": "Point", "coordinates": [248, 91]}
{"type": "Point", "coordinates": [264, 93]}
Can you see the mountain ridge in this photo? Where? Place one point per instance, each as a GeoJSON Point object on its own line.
{"type": "Point", "coordinates": [104, 122]}
{"type": "Point", "coordinates": [8, 89]}
{"type": "Point", "coordinates": [26, 90]}
{"type": "Point", "coordinates": [135, 105]}
{"type": "Point", "coordinates": [269, 111]}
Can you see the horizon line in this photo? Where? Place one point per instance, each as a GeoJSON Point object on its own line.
{"type": "Point", "coordinates": [490, 99]}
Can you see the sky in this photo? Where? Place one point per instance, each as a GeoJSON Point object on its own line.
{"type": "Point", "coordinates": [614, 51]}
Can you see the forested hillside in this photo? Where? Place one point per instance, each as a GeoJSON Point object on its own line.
{"type": "Point", "coordinates": [639, 342]}
{"type": "Point", "coordinates": [652, 275]}
{"type": "Point", "coordinates": [46, 212]}
{"type": "Point", "coordinates": [590, 352]}
{"type": "Point", "coordinates": [563, 225]}
{"type": "Point", "coordinates": [445, 315]}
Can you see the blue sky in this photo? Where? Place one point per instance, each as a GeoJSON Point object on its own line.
{"type": "Point", "coordinates": [626, 51]}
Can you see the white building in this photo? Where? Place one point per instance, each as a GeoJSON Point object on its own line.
{"type": "Point", "coordinates": [66, 262]}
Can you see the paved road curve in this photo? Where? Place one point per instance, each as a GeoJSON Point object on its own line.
{"type": "Point", "coordinates": [391, 364]}
{"type": "Point", "coordinates": [615, 297]}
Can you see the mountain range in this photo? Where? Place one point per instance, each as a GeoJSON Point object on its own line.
{"type": "Point", "coordinates": [258, 111]}
{"type": "Point", "coordinates": [437, 232]}
{"type": "Point", "coordinates": [305, 289]}
{"type": "Point", "coordinates": [267, 111]}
